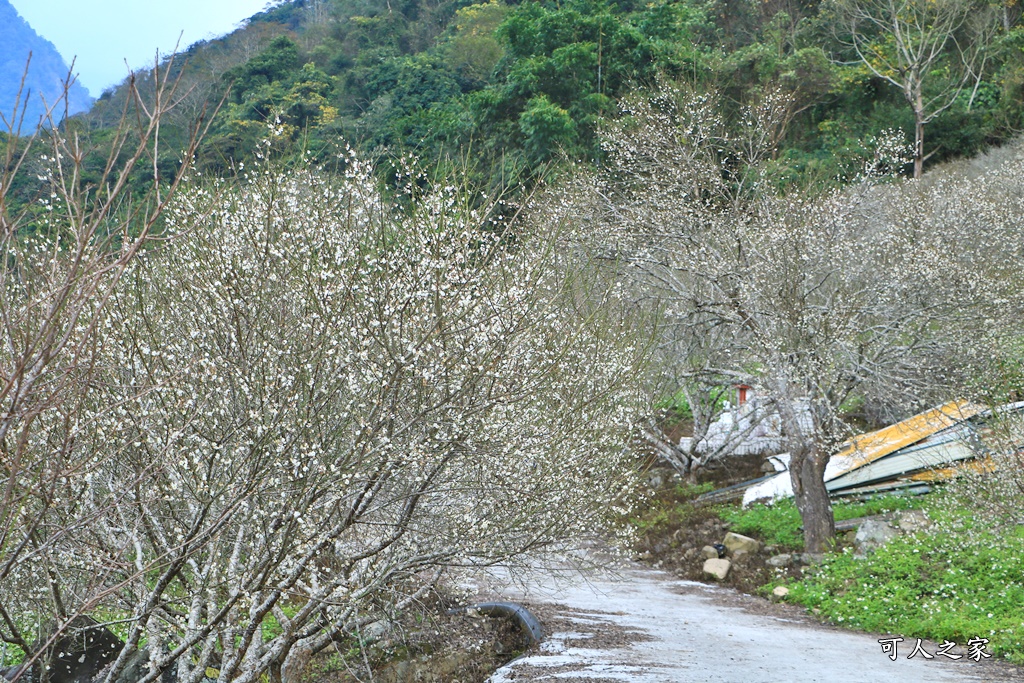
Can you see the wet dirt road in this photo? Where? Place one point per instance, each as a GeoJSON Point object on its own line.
{"type": "Point", "coordinates": [641, 625]}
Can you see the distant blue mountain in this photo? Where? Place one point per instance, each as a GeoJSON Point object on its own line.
{"type": "Point", "coordinates": [46, 76]}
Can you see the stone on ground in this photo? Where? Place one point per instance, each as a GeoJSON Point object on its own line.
{"type": "Point", "coordinates": [717, 568]}
{"type": "Point", "coordinates": [736, 542]}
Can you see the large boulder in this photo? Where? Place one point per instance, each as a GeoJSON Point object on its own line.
{"type": "Point", "coordinates": [736, 542]}
{"type": "Point", "coordinates": [79, 654]}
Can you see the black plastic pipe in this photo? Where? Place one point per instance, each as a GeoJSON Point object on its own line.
{"type": "Point", "coordinates": [528, 623]}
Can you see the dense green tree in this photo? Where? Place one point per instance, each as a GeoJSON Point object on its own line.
{"type": "Point", "coordinates": [509, 86]}
{"type": "Point", "coordinates": [276, 63]}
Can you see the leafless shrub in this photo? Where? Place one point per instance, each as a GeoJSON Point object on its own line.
{"type": "Point", "coordinates": [66, 243]}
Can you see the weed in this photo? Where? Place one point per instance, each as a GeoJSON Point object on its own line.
{"type": "Point", "coordinates": [955, 582]}
{"type": "Point", "coordinates": [779, 523]}
{"type": "Point", "coordinates": [670, 509]}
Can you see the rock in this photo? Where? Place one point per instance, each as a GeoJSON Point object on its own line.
{"type": "Point", "coordinates": [809, 558]}
{"type": "Point", "coordinates": [709, 552]}
{"type": "Point", "coordinates": [717, 568]}
{"type": "Point", "coordinates": [872, 534]}
{"type": "Point", "coordinates": [137, 667]}
{"type": "Point", "coordinates": [782, 560]}
{"type": "Point", "coordinates": [80, 653]}
{"type": "Point", "coordinates": [734, 542]}
{"type": "Point", "coordinates": [768, 468]}
{"type": "Point", "coordinates": [656, 478]}
{"type": "Point", "coordinates": [9, 672]}
{"type": "Point", "coordinates": [910, 521]}
{"type": "Point", "coordinates": [740, 554]}
{"type": "Point", "coordinates": [376, 630]}
{"type": "Point", "coordinates": [780, 591]}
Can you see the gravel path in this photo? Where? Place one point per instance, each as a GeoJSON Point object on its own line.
{"type": "Point", "coordinates": [641, 625]}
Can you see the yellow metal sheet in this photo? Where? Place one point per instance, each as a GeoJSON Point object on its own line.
{"type": "Point", "coordinates": [980, 466]}
{"type": "Point", "coordinates": [874, 445]}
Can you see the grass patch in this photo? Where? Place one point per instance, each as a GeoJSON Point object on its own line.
{"type": "Point", "coordinates": [955, 582]}
{"type": "Point", "coordinates": [670, 509]}
{"type": "Point", "coordinates": [779, 524]}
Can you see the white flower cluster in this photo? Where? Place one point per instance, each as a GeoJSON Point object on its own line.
{"type": "Point", "coordinates": [308, 402]}
{"type": "Point", "coordinates": [901, 295]}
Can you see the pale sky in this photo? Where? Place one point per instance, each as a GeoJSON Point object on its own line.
{"type": "Point", "coordinates": [102, 34]}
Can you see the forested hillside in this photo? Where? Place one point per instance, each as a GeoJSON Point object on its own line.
{"type": "Point", "coordinates": [46, 74]}
{"type": "Point", "coordinates": [308, 326]}
{"type": "Point", "coordinates": [506, 88]}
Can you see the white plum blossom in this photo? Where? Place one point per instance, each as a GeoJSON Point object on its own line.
{"type": "Point", "coordinates": [309, 403]}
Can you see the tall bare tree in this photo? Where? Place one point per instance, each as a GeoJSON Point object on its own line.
{"type": "Point", "coordinates": [67, 242]}
{"type": "Point", "coordinates": [932, 50]}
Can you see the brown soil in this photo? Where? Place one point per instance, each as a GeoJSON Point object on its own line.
{"type": "Point", "coordinates": [732, 470]}
{"type": "Point", "coordinates": [429, 647]}
{"type": "Point", "coordinates": [677, 544]}
{"type": "Point", "coordinates": [600, 636]}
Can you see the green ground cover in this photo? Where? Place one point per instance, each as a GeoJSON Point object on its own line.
{"type": "Point", "coordinates": [957, 581]}
{"type": "Point", "coordinates": [779, 524]}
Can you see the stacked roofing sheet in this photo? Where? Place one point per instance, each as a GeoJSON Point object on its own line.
{"type": "Point", "coordinates": [909, 454]}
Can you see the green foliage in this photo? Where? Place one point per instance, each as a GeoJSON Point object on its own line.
{"type": "Point", "coordinates": [956, 582]}
{"type": "Point", "coordinates": [517, 85]}
{"type": "Point", "coordinates": [675, 405]}
{"type": "Point", "coordinates": [779, 523]}
{"type": "Point", "coordinates": [473, 49]}
{"type": "Point", "coordinates": [547, 128]}
{"type": "Point", "coordinates": [275, 63]}
{"type": "Point", "coordinates": [670, 510]}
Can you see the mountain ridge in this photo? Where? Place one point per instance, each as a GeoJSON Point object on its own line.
{"type": "Point", "coordinates": [44, 82]}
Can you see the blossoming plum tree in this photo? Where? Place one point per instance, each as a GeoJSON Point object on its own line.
{"type": "Point", "coordinates": [67, 235]}
{"type": "Point", "coordinates": [312, 404]}
{"type": "Point", "coordinates": [895, 293]}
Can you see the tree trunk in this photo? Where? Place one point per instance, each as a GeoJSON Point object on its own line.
{"type": "Point", "coordinates": [918, 137]}
{"type": "Point", "coordinates": [807, 463]}
{"type": "Point", "coordinates": [807, 472]}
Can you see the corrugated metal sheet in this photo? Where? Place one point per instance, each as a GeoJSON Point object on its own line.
{"type": "Point", "coordinates": [869, 447]}
{"type": "Point", "coordinates": [929, 447]}
{"type": "Point", "coordinates": [912, 459]}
